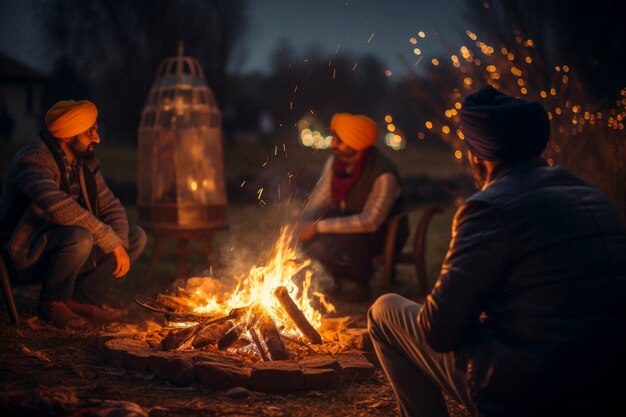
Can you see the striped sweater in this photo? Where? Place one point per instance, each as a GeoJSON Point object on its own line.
{"type": "Point", "coordinates": [35, 177]}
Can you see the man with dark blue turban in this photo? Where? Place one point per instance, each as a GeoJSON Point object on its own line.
{"type": "Point", "coordinates": [528, 313]}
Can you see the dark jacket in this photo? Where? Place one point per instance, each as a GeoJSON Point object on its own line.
{"type": "Point", "coordinates": [532, 294]}
{"type": "Point", "coordinates": [34, 198]}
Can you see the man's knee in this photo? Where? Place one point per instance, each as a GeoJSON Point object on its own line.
{"type": "Point", "coordinates": [382, 308]}
{"type": "Point", "coordinates": [79, 240]}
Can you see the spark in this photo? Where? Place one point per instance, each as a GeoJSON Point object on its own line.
{"type": "Point", "coordinates": [370, 39]}
{"type": "Point", "coordinates": [241, 186]}
{"type": "Point", "coordinates": [259, 193]}
{"type": "Point", "coordinates": [337, 50]}
{"type": "Point", "coordinates": [355, 65]}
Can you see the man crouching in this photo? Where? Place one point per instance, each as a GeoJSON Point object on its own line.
{"type": "Point", "coordinates": [61, 224]}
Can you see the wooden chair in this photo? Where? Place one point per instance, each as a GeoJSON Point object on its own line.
{"type": "Point", "coordinates": [7, 289]}
{"type": "Point", "coordinates": [415, 256]}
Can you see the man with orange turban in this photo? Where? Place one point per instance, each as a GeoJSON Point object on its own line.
{"type": "Point", "coordinates": [61, 224]}
{"type": "Point", "coordinates": [345, 219]}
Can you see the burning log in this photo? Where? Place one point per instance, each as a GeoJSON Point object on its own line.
{"type": "Point", "coordinates": [174, 316]}
{"type": "Point", "coordinates": [231, 336]}
{"type": "Point", "coordinates": [297, 316]}
{"type": "Point", "coordinates": [211, 335]}
{"type": "Point", "coordinates": [271, 337]}
{"type": "Point", "coordinates": [257, 342]}
{"type": "Point", "coordinates": [175, 303]}
{"type": "Point", "coordinates": [177, 338]}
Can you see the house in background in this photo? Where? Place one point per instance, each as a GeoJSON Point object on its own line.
{"type": "Point", "coordinates": [21, 93]}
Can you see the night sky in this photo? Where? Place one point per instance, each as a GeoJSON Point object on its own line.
{"type": "Point", "coordinates": [358, 27]}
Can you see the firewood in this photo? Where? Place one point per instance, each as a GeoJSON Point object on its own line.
{"type": "Point", "coordinates": [176, 303]}
{"type": "Point", "coordinates": [211, 335]}
{"type": "Point", "coordinates": [189, 317]}
{"type": "Point", "coordinates": [231, 336]}
{"type": "Point", "coordinates": [257, 342]}
{"type": "Point", "coordinates": [177, 338]}
{"type": "Point", "coordinates": [297, 316]}
{"type": "Point", "coordinates": [174, 316]}
{"type": "Point", "coordinates": [271, 337]}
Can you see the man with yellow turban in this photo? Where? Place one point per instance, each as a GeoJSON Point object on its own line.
{"type": "Point", "coordinates": [61, 224]}
{"type": "Point", "coordinates": [345, 218]}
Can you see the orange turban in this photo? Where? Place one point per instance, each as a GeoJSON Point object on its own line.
{"type": "Point", "coordinates": [355, 130]}
{"type": "Point", "coordinates": [69, 118]}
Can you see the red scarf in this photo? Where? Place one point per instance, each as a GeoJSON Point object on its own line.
{"type": "Point", "coordinates": [343, 181]}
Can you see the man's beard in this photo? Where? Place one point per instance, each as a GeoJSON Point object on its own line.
{"type": "Point", "coordinates": [479, 172]}
{"type": "Point", "coordinates": [87, 152]}
{"type": "Point", "coordinates": [346, 155]}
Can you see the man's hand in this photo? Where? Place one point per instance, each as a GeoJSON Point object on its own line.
{"type": "Point", "coordinates": [307, 232]}
{"type": "Point", "coordinates": [122, 261]}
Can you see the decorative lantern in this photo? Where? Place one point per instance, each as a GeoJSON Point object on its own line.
{"type": "Point", "coordinates": [181, 193]}
{"type": "Point", "coordinates": [181, 174]}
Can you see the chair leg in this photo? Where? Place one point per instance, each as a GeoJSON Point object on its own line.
{"type": "Point", "coordinates": [389, 272]}
{"type": "Point", "coordinates": [8, 294]}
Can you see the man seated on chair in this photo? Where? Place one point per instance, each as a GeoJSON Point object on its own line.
{"type": "Point", "coordinates": [344, 222]}
{"type": "Point", "coordinates": [526, 317]}
{"type": "Point", "coordinates": [61, 224]}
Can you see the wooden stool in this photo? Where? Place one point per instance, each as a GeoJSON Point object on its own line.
{"type": "Point", "coordinates": [183, 236]}
{"type": "Point", "coordinates": [7, 289]}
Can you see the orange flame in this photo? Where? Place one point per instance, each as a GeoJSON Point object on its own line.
{"type": "Point", "coordinates": [256, 290]}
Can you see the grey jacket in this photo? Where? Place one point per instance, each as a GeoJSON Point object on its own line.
{"type": "Point", "coordinates": [33, 183]}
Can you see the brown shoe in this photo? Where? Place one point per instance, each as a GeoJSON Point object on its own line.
{"type": "Point", "coordinates": [94, 312]}
{"type": "Point", "coordinates": [57, 313]}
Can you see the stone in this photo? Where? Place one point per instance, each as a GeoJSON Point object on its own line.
{"type": "Point", "coordinates": [222, 375]}
{"type": "Point", "coordinates": [277, 377]}
{"type": "Point", "coordinates": [116, 349]}
{"type": "Point", "coordinates": [320, 362]}
{"type": "Point", "coordinates": [172, 367]}
{"type": "Point", "coordinates": [215, 357]}
{"type": "Point", "coordinates": [355, 367]}
{"type": "Point", "coordinates": [237, 392]}
{"type": "Point", "coordinates": [320, 379]}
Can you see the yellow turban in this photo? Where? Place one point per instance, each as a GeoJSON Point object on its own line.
{"type": "Point", "coordinates": [355, 130]}
{"type": "Point", "coordinates": [69, 118]}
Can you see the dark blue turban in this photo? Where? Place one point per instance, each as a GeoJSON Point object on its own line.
{"type": "Point", "coordinates": [501, 128]}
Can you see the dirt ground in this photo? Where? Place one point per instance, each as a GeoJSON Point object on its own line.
{"type": "Point", "coordinates": [48, 371]}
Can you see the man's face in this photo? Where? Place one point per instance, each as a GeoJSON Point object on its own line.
{"type": "Point", "coordinates": [479, 171]}
{"type": "Point", "coordinates": [343, 151]}
{"type": "Point", "coordinates": [84, 144]}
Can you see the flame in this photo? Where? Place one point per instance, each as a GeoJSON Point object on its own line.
{"type": "Point", "coordinates": [256, 289]}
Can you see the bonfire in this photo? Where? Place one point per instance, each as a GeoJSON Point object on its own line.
{"type": "Point", "coordinates": [267, 308]}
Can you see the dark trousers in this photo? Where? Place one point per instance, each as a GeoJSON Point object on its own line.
{"type": "Point", "coordinates": [346, 256]}
{"type": "Point", "coordinates": [71, 266]}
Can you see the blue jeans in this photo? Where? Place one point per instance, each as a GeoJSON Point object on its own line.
{"type": "Point", "coordinates": [71, 266]}
{"type": "Point", "coordinates": [417, 373]}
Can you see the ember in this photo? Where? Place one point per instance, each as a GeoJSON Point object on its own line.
{"type": "Point", "coordinates": [266, 309]}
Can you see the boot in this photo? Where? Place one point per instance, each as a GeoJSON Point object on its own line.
{"type": "Point", "coordinates": [94, 312]}
{"type": "Point", "coordinates": [57, 313]}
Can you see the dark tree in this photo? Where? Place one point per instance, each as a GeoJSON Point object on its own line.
{"type": "Point", "coordinates": [117, 45]}
{"type": "Point", "coordinates": [588, 36]}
